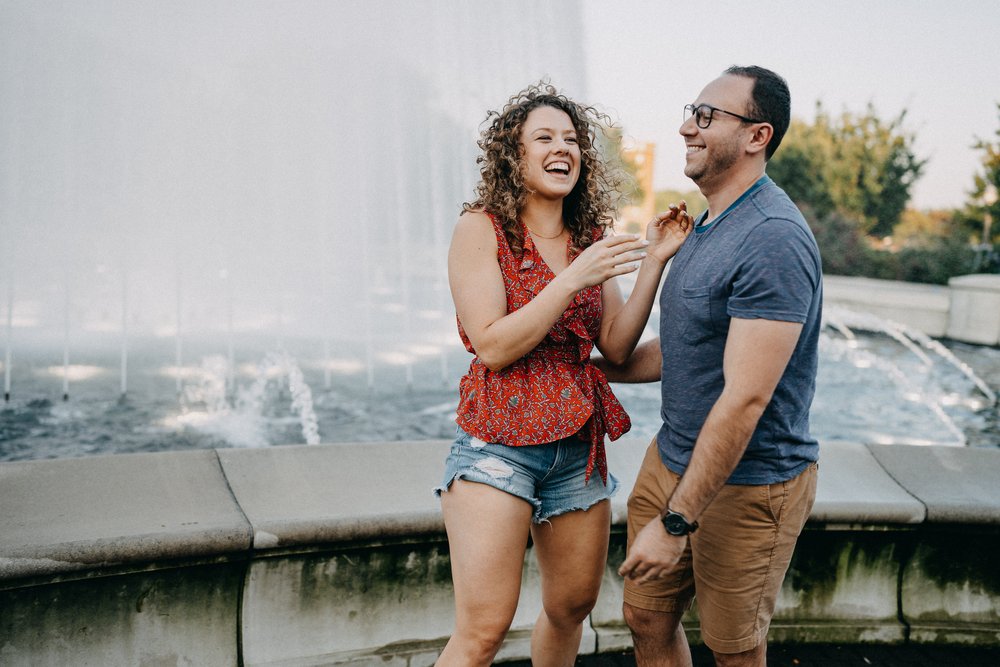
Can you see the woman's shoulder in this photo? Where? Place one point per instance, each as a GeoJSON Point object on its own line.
{"type": "Point", "coordinates": [475, 217]}
{"type": "Point", "coordinates": [475, 226]}
{"type": "Point", "coordinates": [476, 222]}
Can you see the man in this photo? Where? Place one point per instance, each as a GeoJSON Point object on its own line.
{"type": "Point", "coordinates": [729, 481]}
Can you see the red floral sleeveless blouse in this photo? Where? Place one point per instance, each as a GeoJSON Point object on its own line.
{"type": "Point", "coordinates": [552, 392]}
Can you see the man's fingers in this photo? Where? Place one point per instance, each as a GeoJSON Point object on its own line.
{"type": "Point", "coordinates": [626, 568]}
{"type": "Point", "coordinates": [651, 574]}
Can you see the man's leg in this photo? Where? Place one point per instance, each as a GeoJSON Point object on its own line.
{"type": "Point", "coordinates": [653, 610]}
{"type": "Point", "coordinates": [657, 637]}
{"type": "Point", "coordinates": [741, 553]}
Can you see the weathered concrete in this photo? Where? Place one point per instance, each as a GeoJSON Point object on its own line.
{"type": "Point", "coordinates": [177, 616]}
{"type": "Point", "coordinates": [975, 309]}
{"type": "Point", "coordinates": [336, 555]}
{"type": "Point", "coordinates": [358, 597]}
{"type": "Point", "coordinates": [957, 485]}
{"type": "Point", "coordinates": [340, 495]}
{"type": "Point", "coordinates": [79, 514]}
{"type": "Point", "coordinates": [950, 587]}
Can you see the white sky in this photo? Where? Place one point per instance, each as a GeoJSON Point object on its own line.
{"type": "Point", "coordinates": [938, 60]}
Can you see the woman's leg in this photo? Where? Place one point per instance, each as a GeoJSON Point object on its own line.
{"type": "Point", "coordinates": [487, 537]}
{"type": "Point", "coordinates": [572, 551]}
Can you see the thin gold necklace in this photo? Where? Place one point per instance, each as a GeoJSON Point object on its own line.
{"type": "Point", "coordinates": [534, 233]}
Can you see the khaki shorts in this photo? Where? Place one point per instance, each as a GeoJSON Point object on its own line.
{"type": "Point", "coordinates": [735, 561]}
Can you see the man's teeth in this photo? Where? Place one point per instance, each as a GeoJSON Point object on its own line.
{"type": "Point", "coordinates": [695, 149]}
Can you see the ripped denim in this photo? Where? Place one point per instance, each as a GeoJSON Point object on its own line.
{"type": "Point", "coordinates": [551, 477]}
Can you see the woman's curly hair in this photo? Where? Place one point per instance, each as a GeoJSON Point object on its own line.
{"type": "Point", "coordinates": [501, 190]}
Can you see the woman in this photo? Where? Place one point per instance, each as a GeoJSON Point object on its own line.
{"type": "Point", "coordinates": [532, 275]}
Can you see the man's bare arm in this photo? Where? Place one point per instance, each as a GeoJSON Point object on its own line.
{"type": "Point", "coordinates": [643, 365]}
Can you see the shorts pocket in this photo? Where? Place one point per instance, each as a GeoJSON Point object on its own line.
{"type": "Point", "coordinates": [777, 497]}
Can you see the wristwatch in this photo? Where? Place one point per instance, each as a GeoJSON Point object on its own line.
{"type": "Point", "coordinates": [676, 524]}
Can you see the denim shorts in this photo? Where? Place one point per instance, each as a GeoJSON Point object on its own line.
{"type": "Point", "coordinates": [551, 476]}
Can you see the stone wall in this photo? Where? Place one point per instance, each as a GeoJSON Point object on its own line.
{"type": "Point", "coordinates": [336, 554]}
{"type": "Point", "coordinates": [968, 309]}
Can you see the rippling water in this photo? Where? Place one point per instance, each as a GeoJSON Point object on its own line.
{"type": "Point", "coordinates": [871, 390]}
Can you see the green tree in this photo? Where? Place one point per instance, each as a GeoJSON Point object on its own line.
{"type": "Point", "coordinates": [983, 199]}
{"type": "Point", "coordinates": [798, 166]}
{"type": "Point", "coordinates": [856, 164]}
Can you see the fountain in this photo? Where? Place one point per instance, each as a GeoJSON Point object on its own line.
{"type": "Point", "coordinates": [223, 227]}
{"type": "Point", "coordinates": [189, 206]}
{"type": "Point", "coordinates": [246, 179]}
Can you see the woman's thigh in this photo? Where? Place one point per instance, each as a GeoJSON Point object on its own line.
{"type": "Point", "coordinates": [572, 553]}
{"type": "Point", "coordinates": [487, 537]}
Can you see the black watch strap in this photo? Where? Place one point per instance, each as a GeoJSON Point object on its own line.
{"type": "Point", "coordinates": [677, 524]}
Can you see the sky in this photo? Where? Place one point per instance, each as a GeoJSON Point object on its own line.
{"type": "Point", "coordinates": [938, 61]}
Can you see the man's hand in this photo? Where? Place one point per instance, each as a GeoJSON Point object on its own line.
{"type": "Point", "coordinates": [652, 554]}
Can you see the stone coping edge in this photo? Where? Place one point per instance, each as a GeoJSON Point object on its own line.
{"type": "Point", "coordinates": [78, 515]}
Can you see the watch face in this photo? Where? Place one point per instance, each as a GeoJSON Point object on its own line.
{"type": "Point", "coordinates": [675, 524]}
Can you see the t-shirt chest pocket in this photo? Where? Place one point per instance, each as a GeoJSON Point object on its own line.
{"type": "Point", "coordinates": [699, 316]}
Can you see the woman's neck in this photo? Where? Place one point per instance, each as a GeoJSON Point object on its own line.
{"type": "Point", "coordinates": [543, 217]}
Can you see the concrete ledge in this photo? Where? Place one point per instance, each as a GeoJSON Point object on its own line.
{"type": "Point", "coordinates": [922, 307]}
{"type": "Point", "coordinates": [78, 514]}
{"type": "Point", "coordinates": [341, 493]}
{"type": "Point", "coordinates": [854, 489]}
{"type": "Point", "coordinates": [975, 309]}
{"type": "Point", "coordinates": [957, 485]}
{"type": "Point", "coordinates": [341, 556]}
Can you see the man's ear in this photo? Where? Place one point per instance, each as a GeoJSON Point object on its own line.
{"type": "Point", "coordinates": [760, 138]}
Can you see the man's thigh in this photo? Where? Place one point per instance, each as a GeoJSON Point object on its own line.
{"type": "Point", "coordinates": [653, 486]}
{"type": "Point", "coordinates": [741, 552]}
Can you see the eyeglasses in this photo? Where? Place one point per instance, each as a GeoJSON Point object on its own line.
{"type": "Point", "coordinates": [703, 115]}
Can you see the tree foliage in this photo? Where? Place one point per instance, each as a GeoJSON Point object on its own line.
{"type": "Point", "coordinates": [856, 165]}
{"type": "Point", "coordinates": [983, 199]}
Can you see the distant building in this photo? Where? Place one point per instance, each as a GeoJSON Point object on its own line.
{"type": "Point", "coordinates": [633, 218]}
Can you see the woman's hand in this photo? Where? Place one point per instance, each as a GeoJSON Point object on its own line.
{"type": "Point", "coordinates": [611, 256]}
{"type": "Point", "coordinates": [667, 231]}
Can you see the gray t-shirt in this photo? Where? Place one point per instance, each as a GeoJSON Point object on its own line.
{"type": "Point", "coordinates": [757, 260]}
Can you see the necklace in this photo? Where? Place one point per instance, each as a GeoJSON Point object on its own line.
{"type": "Point", "coordinates": [534, 233]}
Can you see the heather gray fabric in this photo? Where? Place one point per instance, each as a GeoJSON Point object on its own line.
{"type": "Point", "coordinates": [757, 260]}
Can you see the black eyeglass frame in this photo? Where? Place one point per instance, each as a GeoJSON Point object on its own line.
{"type": "Point", "coordinates": [695, 111]}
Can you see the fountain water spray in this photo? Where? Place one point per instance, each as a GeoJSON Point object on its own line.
{"type": "Point", "coordinates": [843, 320]}
{"type": "Point", "coordinates": [240, 417]}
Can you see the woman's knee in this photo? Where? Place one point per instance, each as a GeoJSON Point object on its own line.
{"type": "Point", "coordinates": [484, 637]}
{"type": "Point", "coordinates": [570, 611]}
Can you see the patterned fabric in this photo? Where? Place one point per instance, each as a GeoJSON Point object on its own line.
{"type": "Point", "coordinates": [552, 392]}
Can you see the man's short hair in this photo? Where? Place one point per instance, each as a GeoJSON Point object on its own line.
{"type": "Point", "coordinates": [770, 101]}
